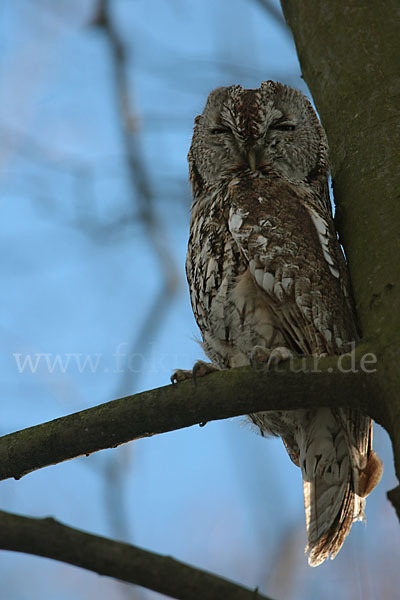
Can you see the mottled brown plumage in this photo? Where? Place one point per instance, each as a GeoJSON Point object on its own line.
{"type": "Point", "coordinates": [268, 280]}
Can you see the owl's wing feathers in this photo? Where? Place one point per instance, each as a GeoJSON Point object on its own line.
{"type": "Point", "coordinates": [294, 257]}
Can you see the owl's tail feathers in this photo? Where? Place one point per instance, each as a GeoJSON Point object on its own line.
{"type": "Point", "coordinates": [330, 512]}
{"type": "Point", "coordinates": [334, 493]}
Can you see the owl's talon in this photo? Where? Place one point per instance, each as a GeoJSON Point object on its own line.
{"type": "Point", "coordinates": [180, 375]}
{"type": "Point", "coordinates": [200, 368]}
{"type": "Point", "coordinates": [278, 355]}
{"type": "Point", "coordinates": [259, 357]}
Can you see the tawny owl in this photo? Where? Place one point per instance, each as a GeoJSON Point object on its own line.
{"type": "Point", "coordinates": [268, 280]}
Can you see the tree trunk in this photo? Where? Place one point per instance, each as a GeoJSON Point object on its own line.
{"type": "Point", "coordinates": [349, 55]}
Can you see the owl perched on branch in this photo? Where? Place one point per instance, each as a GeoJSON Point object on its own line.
{"type": "Point", "coordinates": [268, 280]}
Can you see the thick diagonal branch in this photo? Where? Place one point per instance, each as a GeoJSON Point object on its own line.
{"type": "Point", "coordinates": [49, 538]}
{"type": "Point", "coordinates": [216, 396]}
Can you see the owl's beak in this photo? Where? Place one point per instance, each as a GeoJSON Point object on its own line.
{"type": "Point", "coordinates": [251, 157]}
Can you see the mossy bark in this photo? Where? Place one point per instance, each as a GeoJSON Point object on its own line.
{"type": "Point", "coordinates": [331, 381]}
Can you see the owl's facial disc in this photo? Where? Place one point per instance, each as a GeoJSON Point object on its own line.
{"type": "Point", "coordinates": [270, 128]}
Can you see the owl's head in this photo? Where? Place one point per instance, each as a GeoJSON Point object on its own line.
{"type": "Point", "coordinates": [273, 127]}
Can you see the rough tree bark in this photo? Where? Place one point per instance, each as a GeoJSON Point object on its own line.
{"type": "Point", "coordinates": [349, 55]}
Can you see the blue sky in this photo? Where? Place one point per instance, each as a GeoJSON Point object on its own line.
{"type": "Point", "coordinates": [80, 277]}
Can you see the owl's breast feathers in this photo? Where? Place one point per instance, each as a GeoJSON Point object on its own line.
{"type": "Point", "coordinates": [264, 248]}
